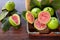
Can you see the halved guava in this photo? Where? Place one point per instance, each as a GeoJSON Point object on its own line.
{"type": "Point", "coordinates": [14, 20]}
{"type": "Point", "coordinates": [44, 17]}
{"type": "Point", "coordinates": [39, 26]}
{"type": "Point", "coordinates": [29, 17]}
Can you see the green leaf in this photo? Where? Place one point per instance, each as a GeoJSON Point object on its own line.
{"type": "Point", "coordinates": [56, 4]}
{"type": "Point", "coordinates": [3, 14]}
{"type": "Point", "coordinates": [5, 26]}
{"type": "Point", "coordinates": [13, 12]}
{"type": "Point", "coordinates": [35, 3]}
{"type": "Point", "coordinates": [23, 15]}
{"type": "Point", "coordinates": [16, 27]}
{"type": "Point", "coordinates": [19, 13]}
{"type": "Point", "coordinates": [4, 19]}
{"type": "Point", "coordinates": [32, 4]}
{"type": "Point", "coordinates": [45, 2]}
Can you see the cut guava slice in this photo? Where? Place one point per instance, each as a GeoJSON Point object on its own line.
{"type": "Point", "coordinates": [14, 20]}
{"type": "Point", "coordinates": [44, 17]}
{"type": "Point", "coordinates": [39, 26]}
{"type": "Point", "coordinates": [29, 17]}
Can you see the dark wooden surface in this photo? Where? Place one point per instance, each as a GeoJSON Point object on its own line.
{"type": "Point", "coordinates": [20, 34]}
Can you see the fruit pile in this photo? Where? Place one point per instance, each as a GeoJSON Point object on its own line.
{"type": "Point", "coordinates": [9, 16]}
{"type": "Point", "coordinates": [41, 14]}
{"type": "Point", "coordinates": [42, 19]}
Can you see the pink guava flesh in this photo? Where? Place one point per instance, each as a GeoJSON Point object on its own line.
{"type": "Point", "coordinates": [15, 18]}
{"type": "Point", "coordinates": [44, 17]}
{"type": "Point", "coordinates": [39, 25]}
{"type": "Point", "coordinates": [30, 17]}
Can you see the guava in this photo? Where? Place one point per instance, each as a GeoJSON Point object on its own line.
{"type": "Point", "coordinates": [10, 5]}
{"type": "Point", "coordinates": [35, 12]}
{"type": "Point", "coordinates": [50, 10]}
{"type": "Point", "coordinates": [14, 20]}
{"type": "Point", "coordinates": [44, 17]}
{"type": "Point", "coordinates": [39, 26]}
{"type": "Point", "coordinates": [53, 24]}
{"type": "Point", "coordinates": [29, 17]}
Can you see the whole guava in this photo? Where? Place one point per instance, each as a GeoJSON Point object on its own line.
{"type": "Point", "coordinates": [35, 12]}
{"type": "Point", "coordinates": [10, 5]}
{"type": "Point", "coordinates": [53, 24]}
{"type": "Point", "coordinates": [50, 10]}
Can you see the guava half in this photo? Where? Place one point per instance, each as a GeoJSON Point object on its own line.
{"type": "Point", "coordinates": [29, 17]}
{"type": "Point", "coordinates": [14, 20]}
{"type": "Point", "coordinates": [39, 26]}
{"type": "Point", "coordinates": [44, 17]}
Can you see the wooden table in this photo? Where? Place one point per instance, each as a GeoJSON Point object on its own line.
{"type": "Point", "coordinates": [20, 34]}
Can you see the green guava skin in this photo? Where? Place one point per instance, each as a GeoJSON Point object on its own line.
{"type": "Point", "coordinates": [35, 12]}
{"type": "Point", "coordinates": [53, 24]}
{"type": "Point", "coordinates": [11, 22]}
{"type": "Point", "coordinates": [10, 5]}
{"type": "Point", "coordinates": [50, 10]}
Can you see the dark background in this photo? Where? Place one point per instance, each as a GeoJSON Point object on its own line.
{"type": "Point", "coordinates": [20, 34]}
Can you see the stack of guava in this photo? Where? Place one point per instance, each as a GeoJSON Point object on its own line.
{"type": "Point", "coordinates": [42, 19]}
{"type": "Point", "coordinates": [14, 19]}
{"type": "Point", "coordinates": [10, 16]}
